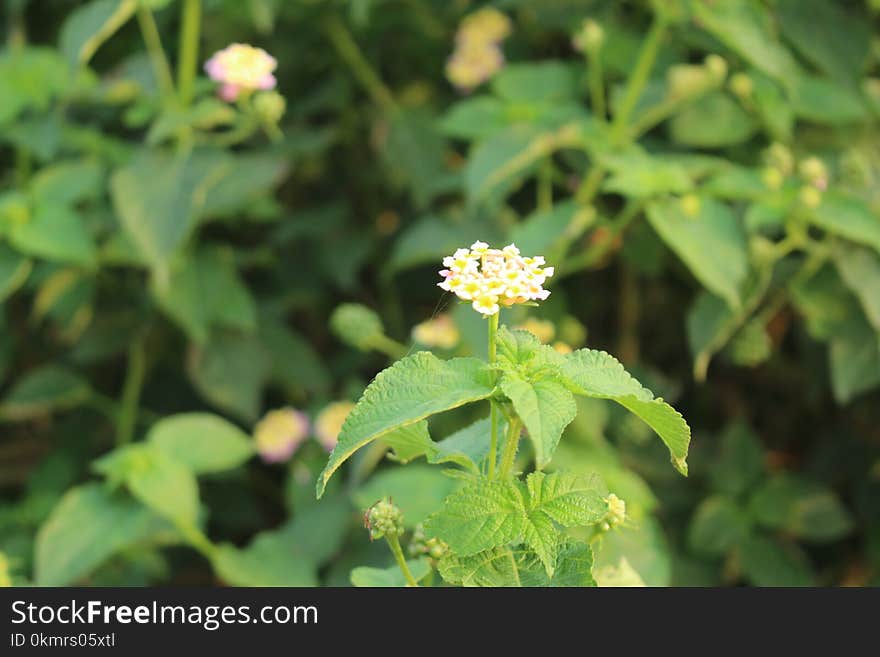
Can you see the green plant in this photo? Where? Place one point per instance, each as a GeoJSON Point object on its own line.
{"type": "Point", "coordinates": [500, 529]}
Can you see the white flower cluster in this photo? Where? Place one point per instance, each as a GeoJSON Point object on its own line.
{"type": "Point", "coordinates": [491, 278]}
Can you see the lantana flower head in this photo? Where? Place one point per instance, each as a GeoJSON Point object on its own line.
{"type": "Point", "coordinates": [487, 25]}
{"type": "Point", "coordinates": [491, 278]}
{"type": "Point", "coordinates": [241, 68]}
{"type": "Point", "coordinates": [278, 435]}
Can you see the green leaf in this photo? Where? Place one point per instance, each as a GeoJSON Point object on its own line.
{"type": "Point", "coordinates": [567, 499]}
{"type": "Point", "coordinates": [43, 390]}
{"type": "Point", "coordinates": [29, 78]}
{"type": "Point", "coordinates": [505, 567]}
{"type": "Point", "coordinates": [543, 231]}
{"type": "Point", "coordinates": [160, 482]}
{"type": "Point", "coordinates": [619, 576]}
{"type": "Point", "coordinates": [834, 39]}
{"type": "Point", "coordinates": [854, 355]}
{"type": "Point", "coordinates": [88, 526]}
{"type": "Point", "coordinates": [467, 447]}
{"type": "Point", "coordinates": [645, 548]}
{"type": "Point", "coordinates": [203, 442]}
{"type": "Point", "coordinates": [821, 100]}
{"type": "Point", "coordinates": [415, 152]}
{"type": "Point", "coordinates": [319, 530]}
{"type": "Point", "coordinates": [55, 232]}
{"type": "Point", "coordinates": [390, 577]}
{"type": "Point", "coordinates": [267, 561]}
{"type": "Point", "coordinates": [860, 269]}
{"type": "Point", "coordinates": [159, 216]}
{"type": "Point", "coordinates": [639, 175]}
{"type": "Point", "coordinates": [766, 562]}
{"type": "Point", "coordinates": [473, 118]}
{"type": "Point", "coordinates": [545, 406]}
{"type": "Point", "coordinates": [547, 81]}
{"type": "Point", "coordinates": [411, 390]}
{"type": "Point", "coordinates": [90, 25]}
{"type": "Point", "coordinates": [802, 508]}
{"type": "Point", "coordinates": [597, 374]}
{"type": "Point", "coordinates": [739, 465]}
{"type": "Point", "coordinates": [744, 27]}
{"type": "Point", "coordinates": [204, 291]}
{"type": "Point", "coordinates": [717, 526]}
{"type": "Point", "coordinates": [480, 516]}
{"type": "Point", "coordinates": [418, 490]}
{"type": "Point", "coordinates": [429, 239]}
{"type": "Point", "coordinates": [230, 371]}
{"type": "Point", "coordinates": [14, 271]}
{"type": "Point", "coordinates": [68, 182]}
{"type": "Point", "coordinates": [713, 121]}
{"type": "Point", "coordinates": [287, 346]}
{"type": "Point", "coordinates": [712, 244]}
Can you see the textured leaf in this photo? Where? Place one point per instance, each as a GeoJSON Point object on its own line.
{"type": "Point", "coordinates": [389, 577]}
{"type": "Point", "coordinates": [480, 516]}
{"type": "Point", "coordinates": [203, 442]}
{"type": "Point", "coordinates": [411, 390]}
{"type": "Point", "coordinates": [569, 500]}
{"type": "Point", "coordinates": [466, 447]}
{"type": "Point", "coordinates": [597, 374]}
{"type": "Point", "coordinates": [505, 567]}
{"type": "Point", "coordinates": [712, 244]}
{"type": "Point", "coordinates": [89, 525]}
{"type": "Point", "coordinates": [546, 407]}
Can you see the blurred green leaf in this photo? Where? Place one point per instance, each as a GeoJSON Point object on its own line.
{"type": "Point", "coordinates": [712, 244]}
{"type": "Point", "coordinates": [68, 182]}
{"type": "Point", "coordinates": [55, 232]}
{"type": "Point", "coordinates": [718, 525]}
{"type": "Point", "coordinates": [43, 390]}
{"type": "Point", "coordinates": [713, 121]}
{"type": "Point", "coordinates": [88, 526]}
{"type": "Point", "coordinates": [90, 25]}
{"type": "Point", "coordinates": [14, 271]}
{"type": "Point", "coordinates": [766, 562]}
{"type": "Point", "coordinates": [824, 101]}
{"type": "Point", "coordinates": [203, 442]}
{"type": "Point", "coordinates": [389, 577]}
{"type": "Point", "coordinates": [267, 561]}
{"type": "Point", "coordinates": [739, 465]}
{"type": "Point", "coordinates": [418, 490]}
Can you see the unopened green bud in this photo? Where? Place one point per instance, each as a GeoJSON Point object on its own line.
{"type": "Point", "coordinates": [357, 325]}
{"type": "Point", "coordinates": [270, 106]}
{"type": "Point", "coordinates": [773, 178]}
{"type": "Point", "coordinates": [717, 67]}
{"type": "Point", "coordinates": [741, 85]}
{"type": "Point", "coordinates": [437, 548]}
{"type": "Point", "coordinates": [810, 197]}
{"type": "Point", "coordinates": [813, 170]}
{"type": "Point", "coordinates": [383, 519]}
{"type": "Point", "coordinates": [590, 37]}
{"type": "Point", "coordinates": [690, 205]}
{"type": "Point", "coordinates": [779, 156]}
{"type": "Point", "coordinates": [616, 510]}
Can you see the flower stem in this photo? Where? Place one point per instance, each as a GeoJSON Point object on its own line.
{"type": "Point", "coordinates": [389, 346]}
{"type": "Point", "coordinates": [361, 68]}
{"type": "Point", "coordinates": [493, 409]}
{"type": "Point", "coordinates": [510, 446]}
{"type": "Point", "coordinates": [394, 544]}
{"type": "Point", "coordinates": [639, 77]}
{"type": "Point", "coordinates": [161, 68]}
{"type": "Point", "coordinates": [131, 393]}
{"type": "Point", "coordinates": [191, 16]}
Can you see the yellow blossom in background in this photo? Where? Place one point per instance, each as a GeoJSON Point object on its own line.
{"type": "Point", "coordinates": [543, 329]}
{"type": "Point", "coordinates": [477, 55]}
{"type": "Point", "coordinates": [439, 332]}
{"type": "Point", "coordinates": [491, 278]}
{"type": "Point", "coordinates": [241, 68]}
{"type": "Point", "coordinates": [472, 64]}
{"type": "Point", "coordinates": [487, 25]}
{"type": "Point", "coordinates": [278, 435]}
{"type": "Point", "coordinates": [329, 423]}
{"type": "Point", "coordinates": [562, 347]}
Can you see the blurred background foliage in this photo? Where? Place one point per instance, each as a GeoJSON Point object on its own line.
{"type": "Point", "coordinates": [703, 173]}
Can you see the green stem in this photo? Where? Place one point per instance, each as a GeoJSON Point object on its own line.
{"type": "Point", "coordinates": [493, 409]}
{"type": "Point", "coordinates": [361, 68]}
{"type": "Point", "coordinates": [597, 87]}
{"type": "Point", "coordinates": [158, 60]}
{"type": "Point", "coordinates": [131, 393]}
{"type": "Point", "coordinates": [639, 76]}
{"type": "Point", "coordinates": [388, 346]}
{"type": "Point", "coordinates": [394, 544]}
{"type": "Point", "coordinates": [191, 16]}
{"type": "Point", "coordinates": [510, 446]}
